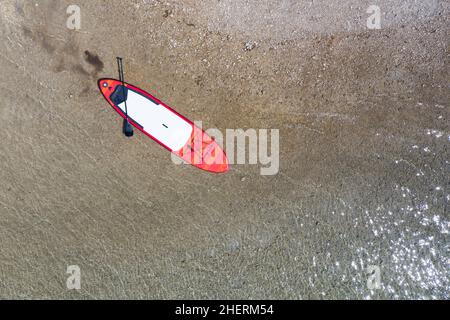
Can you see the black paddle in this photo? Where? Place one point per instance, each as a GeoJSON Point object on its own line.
{"type": "Point", "coordinates": [127, 128]}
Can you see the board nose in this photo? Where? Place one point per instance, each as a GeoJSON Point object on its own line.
{"type": "Point", "coordinates": [106, 86]}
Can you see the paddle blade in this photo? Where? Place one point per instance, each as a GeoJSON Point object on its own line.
{"type": "Point", "coordinates": [127, 128]}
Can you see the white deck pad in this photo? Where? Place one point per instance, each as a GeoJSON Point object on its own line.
{"type": "Point", "coordinates": [164, 125]}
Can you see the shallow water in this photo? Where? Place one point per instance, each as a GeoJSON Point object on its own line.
{"type": "Point", "coordinates": [364, 151]}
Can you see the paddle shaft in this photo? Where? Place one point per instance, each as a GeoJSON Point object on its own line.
{"type": "Point", "coordinates": [121, 78]}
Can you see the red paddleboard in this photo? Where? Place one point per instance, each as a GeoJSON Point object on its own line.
{"type": "Point", "coordinates": [170, 129]}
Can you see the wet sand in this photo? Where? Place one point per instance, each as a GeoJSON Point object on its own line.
{"type": "Point", "coordinates": [364, 151]}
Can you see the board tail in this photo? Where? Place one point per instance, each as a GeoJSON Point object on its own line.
{"type": "Point", "coordinates": [204, 152]}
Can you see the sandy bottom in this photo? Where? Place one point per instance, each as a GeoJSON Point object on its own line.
{"type": "Point", "coordinates": [364, 151]}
